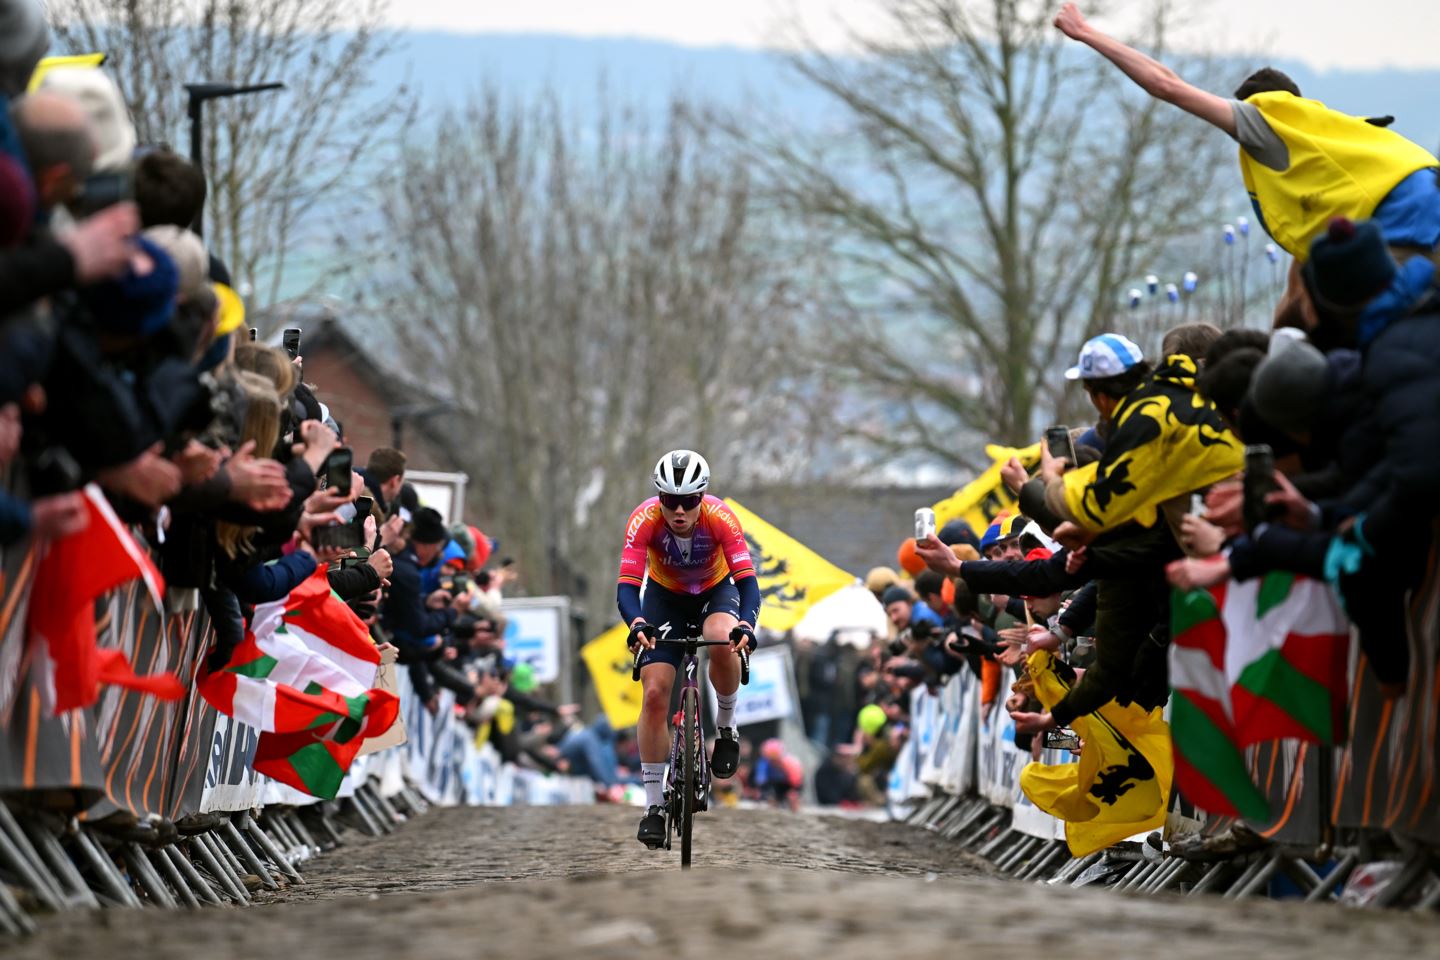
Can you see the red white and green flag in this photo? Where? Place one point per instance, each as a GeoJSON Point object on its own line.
{"type": "Point", "coordinates": [304, 677]}
{"type": "Point", "coordinates": [1250, 662]}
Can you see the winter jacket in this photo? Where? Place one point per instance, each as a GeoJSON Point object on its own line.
{"type": "Point", "coordinates": [404, 616]}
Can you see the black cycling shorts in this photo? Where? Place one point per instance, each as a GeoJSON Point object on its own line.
{"type": "Point", "coordinates": [680, 616]}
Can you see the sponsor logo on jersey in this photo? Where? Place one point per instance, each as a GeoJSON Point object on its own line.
{"type": "Point", "coordinates": [637, 520]}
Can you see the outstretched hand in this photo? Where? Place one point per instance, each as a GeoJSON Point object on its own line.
{"type": "Point", "coordinates": [1071, 22]}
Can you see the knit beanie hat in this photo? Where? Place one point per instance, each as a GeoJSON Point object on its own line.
{"type": "Point", "coordinates": [957, 531]}
{"type": "Point", "coordinates": [1349, 264]}
{"type": "Point", "coordinates": [136, 304]}
{"type": "Point", "coordinates": [1288, 388]}
{"type": "Point", "coordinates": [429, 527]}
{"type": "Point", "coordinates": [895, 594]}
{"type": "Point", "coordinates": [24, 38]}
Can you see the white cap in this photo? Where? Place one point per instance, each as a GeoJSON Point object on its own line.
{"type": "Point", "coordinates": [1107, 355]}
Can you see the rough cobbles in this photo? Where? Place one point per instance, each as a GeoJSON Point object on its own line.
{"type": "Point", "coordinates": [557, 882]}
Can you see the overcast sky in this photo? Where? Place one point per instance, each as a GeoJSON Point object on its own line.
{"type": "Point", "coordinates": [1323, 33]}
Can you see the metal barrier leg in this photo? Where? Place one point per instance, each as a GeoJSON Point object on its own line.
{"type": "Point", "coordinates": [363, 796]}
{"type": "Point", "coordinates": [223, 851]}
{"type": "Point", "coordinates": [1074, 868]}
{"type": "Point", "coordinates": [1212, 878]}
{"type": "Point", "coordinates": [1257, 878]}
{"type": "Point", "coordinates": [144, 874]}
{"type": "Point", "coordinates": [62, 868]}
{"type": "Point", "coordinates": [297, 825]}
{"type": "Point", "coordinates": [1299, 871]}
{"type": "Point", "coordinates": [266, 845]}
{"type": "Point", "coordinates": [920, 814]}
{"type": "Point", "coordinates": [997, 843]}
{"type": "Point", "coordinates": [177, 882]}
{"type": "Point", "coordinates": [963, 823]}
{"type": "Point", "coordinates": [327, 829]}
{"type": "Point", "coordinates": [1017, 854]}
{"type": "Point", "coordinates": [279, 836]}
{"type": "Point", "coordinates": [111, 879]}
{"type": "Point", "coordinates": [1045, 860]}
{"type": "Point", "coordinates": [368, 825]}
{"type": "Point", "coordinates": [1415, 870]}
{"type": "Point", "coordinates": [283, 826]}
{"type": "Point", "coordinates": [199, 884]}
{"type": "Point", "coordinates": [974, 827]}
{"type": "Point", "coordinates": [208, 849]}
{"type": "Point", "coordinates": [1168, 876]}
{"type": "Point", "coordinates": [1136, 875]}
{"type": "Point", "coordinates": [1334, 878]}
{"type": "Point", "coordinates": [16, 849]}
{"type": "Point", "coordinates": [13, 919]}
{"type": "Point", "coordinates": [1430, 901]}
{"type": "Point", "coordinates": [1162, 877]}
{"type": "Point", "coordinates": [941, 814]}
{"type": "Point", "coordinates": [237, 843]}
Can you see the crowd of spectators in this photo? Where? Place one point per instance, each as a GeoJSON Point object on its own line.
{"type": "Point", "coordinates": [1311, 448]}
{"type": "Point", "coordinates": [126, 362]}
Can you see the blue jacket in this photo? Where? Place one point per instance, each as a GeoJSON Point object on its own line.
{"type": "Point", "coordinates": [404, 616]}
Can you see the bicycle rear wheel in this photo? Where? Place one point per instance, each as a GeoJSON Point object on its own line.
{"type": "Point", "coordinates": [690, 707]}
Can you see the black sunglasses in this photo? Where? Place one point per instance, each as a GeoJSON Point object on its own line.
{"type": "Point", "coordinates": [675, 501]}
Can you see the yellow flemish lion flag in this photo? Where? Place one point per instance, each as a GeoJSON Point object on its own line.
{"type": "Point", "coordinates": [610, 665]}
{"type": "Point", "coordinates": [1121, 784]}
{"type": "Point", "coordinates": [792, 578]}
{"type": "Point", "coordinates": [980, 500]}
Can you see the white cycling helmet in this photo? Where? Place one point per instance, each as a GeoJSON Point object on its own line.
{"type": "Point", "coordinates": [682, 472]}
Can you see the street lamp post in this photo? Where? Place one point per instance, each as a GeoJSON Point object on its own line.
{"type": "Point", "coordinates": [199, 93]}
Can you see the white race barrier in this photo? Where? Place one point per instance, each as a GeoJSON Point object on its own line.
{"type": "Point", "coordinates": [439, 758]}
{"type": "Point", "coordinates": [442, 761]}
{"type": "Point", "coordinates": [955, 748]}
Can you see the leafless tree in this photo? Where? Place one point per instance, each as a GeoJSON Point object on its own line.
{"type": "Point", "coordinates": [273, 160]}
{"type": "Point", "coordinates": [591, 292]}
{"type": "Point", "coordinates": [986, 196]}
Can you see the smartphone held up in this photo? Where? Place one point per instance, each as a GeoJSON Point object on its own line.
{"type": "Point", "coordinates": [1059, 445]}
{"type": "Point", "coordinates": [924, 523]}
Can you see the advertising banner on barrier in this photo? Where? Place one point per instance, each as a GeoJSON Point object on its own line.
{"type": "Point", "coordinates": [536, 632]}
{"type": "Point", "coordinates": [230, 781]}
{"type": "Point", "coordinates": [770, 693]}
{"type": "Point", "coordinates": [961, 714]}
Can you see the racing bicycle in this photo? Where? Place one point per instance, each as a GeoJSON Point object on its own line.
{"type": "Point", "coordinates": [687, 781]}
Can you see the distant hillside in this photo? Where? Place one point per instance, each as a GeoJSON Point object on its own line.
{"type": "Point", "coordinates": [444, 66]}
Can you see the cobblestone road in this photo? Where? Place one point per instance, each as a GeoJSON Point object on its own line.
{"type": "Point", "coordinates": [551, 882]}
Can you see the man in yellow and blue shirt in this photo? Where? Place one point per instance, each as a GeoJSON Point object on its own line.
{"type": "Point", "coordinates": [1303, 163]}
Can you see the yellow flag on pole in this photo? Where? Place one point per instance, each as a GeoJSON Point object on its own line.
{"type": "Point", "coordinates": [1121, 784]}
{"type": "Point", "coordinates": [610, 664]}
{"type": "Point", "coordinates": [980, 500]}
{"type": "Point", "coordinates": [792, 576]}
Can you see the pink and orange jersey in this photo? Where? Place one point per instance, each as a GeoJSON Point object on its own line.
{"type": "Point", "coordinates": [716, 549]}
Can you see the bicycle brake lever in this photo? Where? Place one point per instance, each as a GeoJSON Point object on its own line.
{"type": "Point", "coordinates": [635, 670]}
{"type": "Point", "coordinates": [744, 668]}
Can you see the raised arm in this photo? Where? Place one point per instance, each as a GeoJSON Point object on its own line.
{"type": "Point", "coordinates": [1151, 75]}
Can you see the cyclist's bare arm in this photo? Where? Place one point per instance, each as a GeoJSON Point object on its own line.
{"type": "Point", "coordinates": [1151, 75]}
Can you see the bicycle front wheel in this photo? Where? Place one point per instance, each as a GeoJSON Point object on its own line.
{"type": "Point", "coordinates": [690, 709]}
